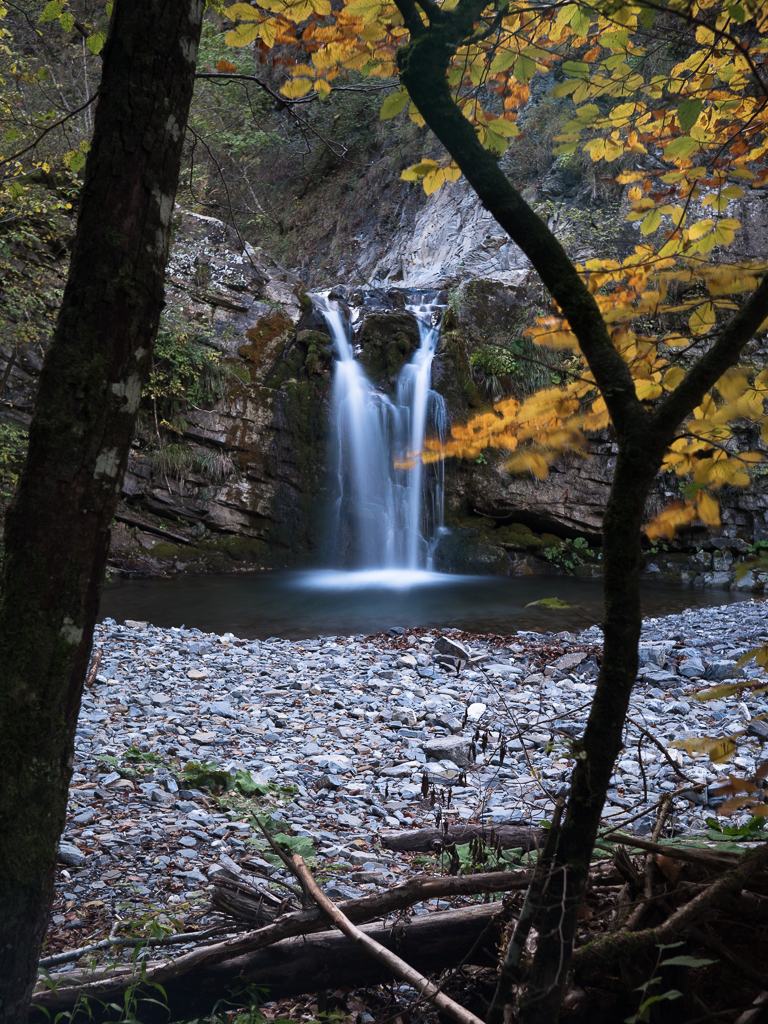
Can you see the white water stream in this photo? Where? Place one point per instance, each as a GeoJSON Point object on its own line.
{"type": "Point", "coordinates": [386, 518]}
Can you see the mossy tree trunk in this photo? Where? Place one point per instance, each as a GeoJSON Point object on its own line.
{"type": "Point", "coordinates": [58, 527]}
{"type": "Point", "coordinates": [642, 436]}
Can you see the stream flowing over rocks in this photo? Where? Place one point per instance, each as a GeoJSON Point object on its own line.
{"type": "Point", "coordinates": [350, 737]}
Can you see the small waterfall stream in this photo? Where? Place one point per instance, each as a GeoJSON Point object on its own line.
{"type": "Point", "coordinates": [385, 517]}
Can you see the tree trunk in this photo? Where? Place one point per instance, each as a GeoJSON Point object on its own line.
{"type": "Point", "coordinates": [57, 529]}
{"type": "Point", "coordinates": [636, 466]}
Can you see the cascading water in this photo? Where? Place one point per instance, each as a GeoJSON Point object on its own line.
{"type": "Point", "coordinates": [386, 517]}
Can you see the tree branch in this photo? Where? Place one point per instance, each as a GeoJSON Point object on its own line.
{"type": "Point", "coordinates": [708, 369]}
{"type": "Point", "coordinates": [423, 63]}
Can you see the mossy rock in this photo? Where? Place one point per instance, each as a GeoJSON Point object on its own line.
{"type": "Point", "coordinates": [551, 541]}
{"type": "Point", "coordinates": [387, 341]}
{"type": "Point", "coordinates": [526, 542]}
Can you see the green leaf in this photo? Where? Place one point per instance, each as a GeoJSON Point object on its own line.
{"type": "Point", "coordinates": [580, 22]}
{"type": "Point", "coordinates": [245, 784]}
{"type": "Point", "coordinates": [67, 21]}
{"type": "Point", "coordinates": [95, 42]}
{"type": "Point", "coordinates": [393, 104]}
{"type": "Point", "coordinates": [51, 11]}
{"type": "Point", "coordinates": [503, 61]}
{"type": "Point", "coordinates": [650, 223]}
{"type": "Point", "coordinates": [549, 602]}
{"type": "Point", "coordinates": [576, 68]}
{"type": "Point", "coordinates": [686, 961]}
{"type": "Point", "coordinates": [565, 88]}
{"type": "Point", "coordinates": [681, 147]}
{"type": "Point", "coordinates": [688, 114]}
{"type": "Point", "coordinates": [525, 69]}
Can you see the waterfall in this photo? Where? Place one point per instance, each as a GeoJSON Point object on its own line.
{"type": "Point", "coordinates": [386, 517]}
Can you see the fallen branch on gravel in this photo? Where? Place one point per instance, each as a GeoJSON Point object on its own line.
{"type": "Point", "coordinates": [501, 836]}
{"type": "Point", "coordinates": [715, 860]}
{"type": "Point", "coordinates": [110, 983]}
{"type": "Point", "coordinates": [71, 955]}
{"type": "Point", "coordinates": [391, 961]}
{"type": "Point", "coordinates": [292, 967]}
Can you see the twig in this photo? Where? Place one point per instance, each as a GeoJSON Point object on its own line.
{"type": "Point", "coordinates": [305, 922]}
{"type": "Point", "coordinates": [398, 967]}
{"type": "Point", "coordinates": [71, 955]}
{"type": "Point", "coordinates": [663, 750]}
{"type": "Point", "coordinates": [636, 917]}
{"type": "Point", "coordinates": [43, 133]}
{"type": "Point", "coordinates": [697, 855]}
{"type": "Point", "coordinates": [302, 893]}
{"type": "Point", "coordinates": [94, 667]}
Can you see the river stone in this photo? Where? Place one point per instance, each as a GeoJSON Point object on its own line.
{"type": "Point", "coordinates": [450, 748]}
{"type": "Point", "coordinates": [444, 645]}
{"type": "Point", "coordinates": [692, 668]}
{"type": "Point", "coordinates": [722, 669]}
{"type": "Point", "coordinates": [569, 661]}
{"type": "Point", "coordinates": [71, 856]}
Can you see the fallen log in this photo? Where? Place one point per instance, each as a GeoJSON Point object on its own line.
{"type": "Point", "coordinates": [504, 836]}
{"type": "Point", "coordinates": [292, 967]}
{"type": "Point", "coordinates": [244, 900]}
{"type": "Point", "coordinates": [112, 983]}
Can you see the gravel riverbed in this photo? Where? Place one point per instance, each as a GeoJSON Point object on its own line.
{"type": "Point", "coordinates": [347, 735]}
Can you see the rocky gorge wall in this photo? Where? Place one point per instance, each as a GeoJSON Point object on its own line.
{"type": "Point", "coordinates": [257, 490]}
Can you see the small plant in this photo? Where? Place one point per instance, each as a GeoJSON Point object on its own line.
{"type": "Point", "coordinates": [644, 1010]}
{"type": "Point", "coordinates": [570, 554]}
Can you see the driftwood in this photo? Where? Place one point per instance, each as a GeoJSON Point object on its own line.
{"type": "Point", "coordinates": [429, 943]}
{"type": "Point", "coordinates": [385, 956]}
{"type": "Point", "coordinates": [501, 836]}
{"type": "Point", "coordinates": [110, 984]}
{"type": "Point", "coordinates": [246, 900]}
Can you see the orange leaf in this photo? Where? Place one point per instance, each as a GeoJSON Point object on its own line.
{"type": "Point", "coordinates": [225, 66]}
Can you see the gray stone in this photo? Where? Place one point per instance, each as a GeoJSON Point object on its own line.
{"type": "Point", "coordinates": [454, 748]}
{"type": "Point", "coordinates": [444, 645]}
{"type": "Point", "coordinates": [692, 668]}
{"type": "Point", "coordinates": [71, 856]}
{"type": "Point", "coordinates": [159, 796]}
{"type": "Point", "coordinates": [722, 669]}
{"type": "Point", "coordinates": [223, 708]}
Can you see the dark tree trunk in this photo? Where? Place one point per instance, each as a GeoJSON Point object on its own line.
{"type": "Point", "coordinates": [57, 530]}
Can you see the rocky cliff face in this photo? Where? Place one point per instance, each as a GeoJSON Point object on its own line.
{"type": "Point", "coordinates": [257, 489]}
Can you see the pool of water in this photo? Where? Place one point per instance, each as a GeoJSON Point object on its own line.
{"type": "Point", "coordinates": [296, 605]}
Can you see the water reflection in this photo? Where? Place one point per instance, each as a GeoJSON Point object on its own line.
{"type": "Point", "coordinates": [296, 605]}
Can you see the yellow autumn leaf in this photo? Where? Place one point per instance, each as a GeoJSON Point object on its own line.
{"type": "Point", "coordinates": [673, 377]}
{"type": "Point", "coordinates": [733, 384]}
{"type": "Point", "coordinates": [529, 461]}
{"type": "Point", "coordinates": [702, 319]}
{"type": "Point", "coordinates": [719, 748]}
{"type": "Point", "coordinates": [647, 390]}
{"type": "Point", "coordinates": [672, 518]}
{"type": "Point", "coordinates": [296, 87]}
{"type": "Point", "coordinates": [433, 180]}
{"type": "Point", "coordinates": [708, 509]}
